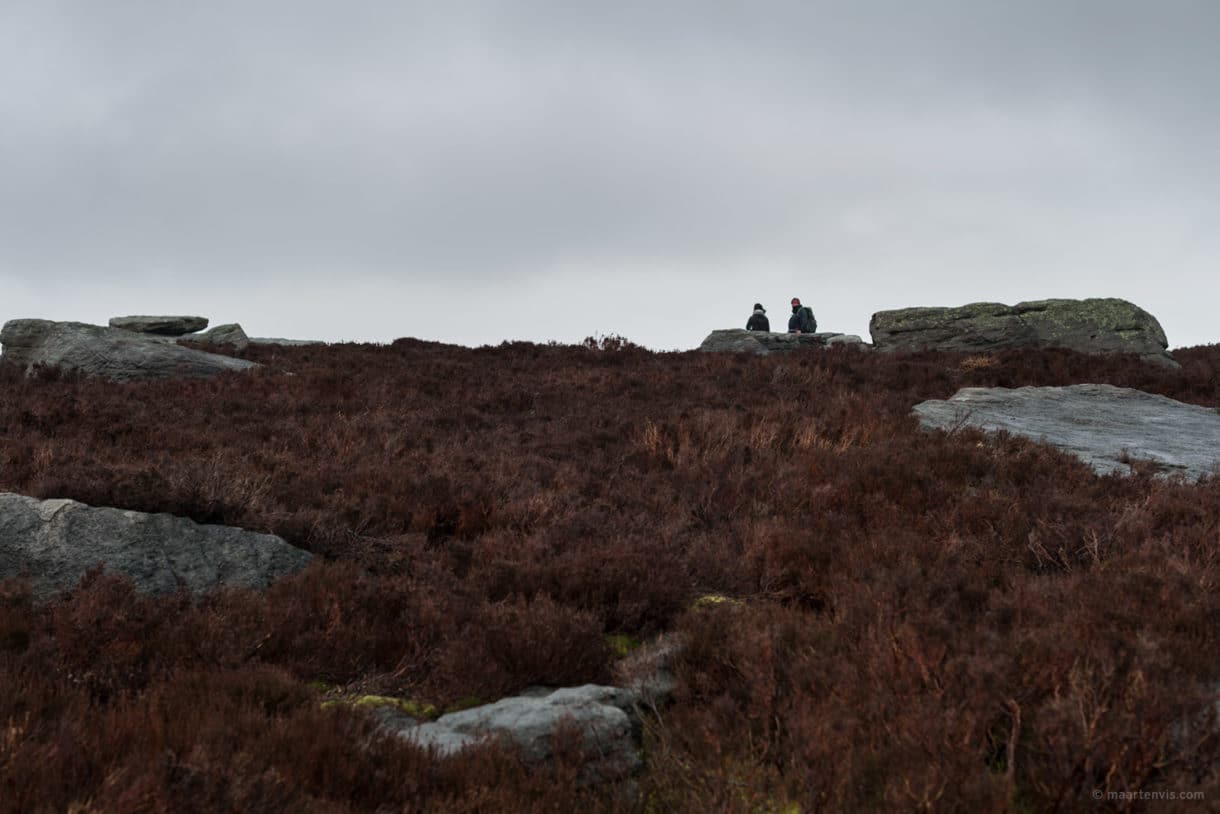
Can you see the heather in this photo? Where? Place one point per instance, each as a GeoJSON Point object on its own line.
{"type": "Point", "coordinates": [917, 621]}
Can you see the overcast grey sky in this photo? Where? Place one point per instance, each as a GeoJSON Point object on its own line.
{"type": "Point", "coordinates": [478, 171]}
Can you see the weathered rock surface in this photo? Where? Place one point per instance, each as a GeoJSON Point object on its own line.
{"type": "Point", "coordinates": [530, 722]}
{"type": "Point", "coordinates": [55, 542]}
{"type": "Point", "coordinates": [230, 334]}
{"type": "Point", "coordinates": [609, 719]}
{"type": "Point", "coordinates": [1089, 326]}
{"type": "Point", "coordinates": [160, 325]}
{"type": "Point", "coordinates": [1103, 425]}
{"type": "Point", "coordinates": [739, 340]}
{"type": "Point", "coordinates": [112, 353]}
{"type": "Point", "coordinates": [272, 340]}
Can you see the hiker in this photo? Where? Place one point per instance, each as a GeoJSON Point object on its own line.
{"type": "Point", "coordinates": [801, 321]}
{"type": "Point", "coordinates": [758, 320]}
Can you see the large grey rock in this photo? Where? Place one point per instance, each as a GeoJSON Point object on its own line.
{"type": "Point", "coordinates": [1106, 426]}
{"type": "Point", "coordinates": [54, 542]}
{"type": "Point", "coordinates": [112, 353]}
{"type": "Point", "coordinates": [531, 721]}
{"type": "Point", "coordinates": [160, 325]}
{"type": "Point", "coordinates": [230, 334]}
{"type": "Point", "coordinates": [1089, 326]}
{"type": "Point", "coordinates": [739, 340]}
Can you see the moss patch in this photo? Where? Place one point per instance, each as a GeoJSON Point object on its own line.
{"type": "Point", "coordinates": [469, 702]}
{"type": "Point", "coordinates": [416, 709]}
{"type": "Point", "coordinates": [711, 600]}
{"type": "Point", "coordinates": [621, 644]}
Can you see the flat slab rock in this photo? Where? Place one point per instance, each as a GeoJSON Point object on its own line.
{"type": "Point", "coordinates": [55, 542]}
{"type": "Point", "coordinates": [1104, 426]}
{"type": "Point", "coordinates": [161, 325]}
{"type": "Point", "coordinates": [290, 343]}
{"type": "Point", "coordinates": [1101, 325]}
{"type": "Point", "coordinates": [762, 343]}
{"type": "Point", "coordinates": [112, 353]}
{"type": "Point", "coordinates": [530, 722]}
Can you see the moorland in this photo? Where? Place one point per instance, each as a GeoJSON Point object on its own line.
{"type": "Point", "coordinates": [875, 617]}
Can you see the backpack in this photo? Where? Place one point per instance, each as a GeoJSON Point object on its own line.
{"type": "Point", "coordinates": [813, 323]}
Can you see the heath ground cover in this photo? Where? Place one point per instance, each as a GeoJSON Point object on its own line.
{"type": "Point", "coordinates": [919, 621]}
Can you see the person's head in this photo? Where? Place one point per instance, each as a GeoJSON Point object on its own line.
{"type": "Point", "coordinates": [758, 307]}
{"type": "Point", "coordinates": [796, 303]}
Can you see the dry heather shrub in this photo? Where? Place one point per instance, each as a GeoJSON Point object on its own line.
{"type": "Point", "coordinates": [977, 362]}
{"type": "Point", "coordinates": [921, 620]}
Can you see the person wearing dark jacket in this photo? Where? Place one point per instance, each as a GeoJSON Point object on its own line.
{"type": "Point", "coordinates": [801, 321]}
{"type": "Point", "coordinates": [758, 320]}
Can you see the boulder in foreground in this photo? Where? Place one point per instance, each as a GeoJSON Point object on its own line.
{"type": "Point", "coordinates": [160, 325]}
{"type": "Point", "coordinates": [112, 353]}
{"type": "Point", "coordinates": [55, 542]}
{"type": "Point", "coordinates": [531, 721]}
{"type": "Point", "coordinates": [739, 340]}
{"type": "Point", "coordinates": [1089, 326]}
{"type": "Point", "coordinates": [1107, 427]}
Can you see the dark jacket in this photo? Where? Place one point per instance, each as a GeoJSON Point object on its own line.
{"type": "Point", "coordinates": [800, 321]}
{"type": "Point", "coordinates": [758, 322]}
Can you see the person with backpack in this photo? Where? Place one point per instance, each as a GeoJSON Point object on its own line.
{"type": "Point", "coordinates": [758, 320]}
{"type": "Point", "coordinates": [801, 321]}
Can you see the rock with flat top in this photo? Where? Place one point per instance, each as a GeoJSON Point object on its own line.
{"type": "Point", "coordinates": [288, 343]}
{"type": "Point", "coordinates": [763, 343]}
{"type": "Point", "coordinates": [160, 325]}
{"type": "Point", "coordinates": [1110, 428]}
{"type": "Point", "coordinates": [1090, 326]}
{"type": "Point", "coordinates": [54, 543]}
{"type": "Point", "coordinates": [530, 722]}
{"type": "Point", "coordinates": [111, 353]}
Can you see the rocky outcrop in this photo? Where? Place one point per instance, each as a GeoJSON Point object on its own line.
{"type": "Point", "coordinates": [55, 542]}
{"type": "Point", "coordinates": [231, 335]}
{"type": "Point", "coordinates": [739, 340]}
{"type": "Point", "coordinates": [160, 325]}
{"type": "Point", "coordinates": [1107, 427]}
{"type": "Point", "coordinates": [1089, 326]}
{"type": "Point", "coordinates": [112, 353]}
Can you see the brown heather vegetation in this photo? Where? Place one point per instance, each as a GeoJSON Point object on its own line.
{"type": "Point", "coordinates": [926, 621]}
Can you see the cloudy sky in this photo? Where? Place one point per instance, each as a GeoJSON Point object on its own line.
{"type": "Point", "coordinates": [551, 169]}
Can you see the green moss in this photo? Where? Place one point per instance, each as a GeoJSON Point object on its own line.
{"type": "Point", "coordinates": [621, 644]}
{"type": "Point", "coordinates": [416, 709]}
{"type": "Point", "coordinates": [468, 702]}
{"type": "Point", "coordinates": [710, 600]}
{"type": "Point", "coordinates": [320, 686]}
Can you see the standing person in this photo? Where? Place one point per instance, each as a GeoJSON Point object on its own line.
{"type": "Point", "coordinates": [758, 320]}
{"type": "Point", "coordinates": [801, 321]}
